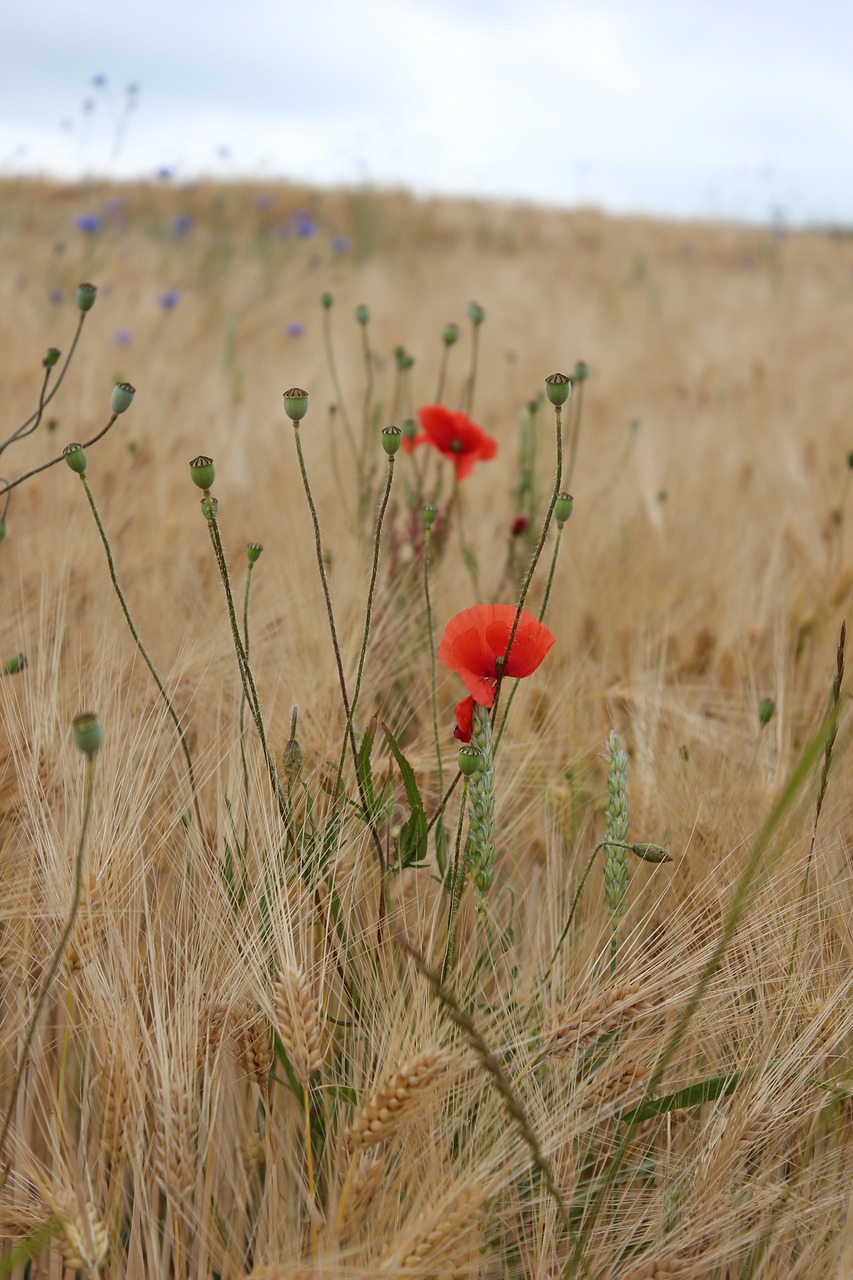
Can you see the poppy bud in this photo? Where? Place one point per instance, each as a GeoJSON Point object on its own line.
{"type": "Point", "coordinates": [563, 508]}
{"type": "Point", "coordinates": [326, 301]}
{"type": "Point", "coordinates": [202, 472]}
{"type": "Point", "coordinates": [476, 314]}
{"type": "Point", "coordinates": [292, 759]}
{"type": "Point", "coordinates": [450, 334]}
{"type": "Point", "coordinates": [53, 354]}
{"type": "Point", "coordinates": [121, 397]}
{"type": "Point", "coordinates": [430, 513]}
{"type": "Point", "coordinates": [86, 294]}
{"type": "Point", "coordinates": [75, 456]}
{"type": "Point", "coordinates": [519, 526]}
{"type": "Point", "coordinates": [87, 732]}
{"type": "Point", "coordinates": [558, 387]}
{"type": "Point", "coordinates": [392, 438]}
{"type": "Point", "coordinates": [650, 853]}
{"type": "Point", "coordinates": [253, 552]}
{"type": "Point", "coordinates": [410, 429]}
{"type": "Point", "coordinates": [296, 404]}
{"type": "Point", "coordinates": [470, 761]}
{"type": "Point", "coordinates": [406, 362]}
{"type": "Point", "coordinates": [362, 314]}
{"type": "Point", "coordinates": [14, 665]}
{"type": "Point", "coordinates": [581, 372]}
{"type": "Point", "coordinates": [766, 707]}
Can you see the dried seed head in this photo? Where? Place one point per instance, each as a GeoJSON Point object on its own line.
{"type": "Point", "coordinates": [211, 1023]}
{"type": "Point", "coordinates": [297, 1022]}
{"type": "Point", "coordinates": [85, 1245]}
{"type": "Point", "coordinates": [202, 472]}
{"type": "Point", "coordinates": [75, 456]}
{"type": "Point", "coordinates": [175, 1137]}
{"type": "Point", "coordinates": [253, 552]}
{"type": "Point", "coordinates": [397, 1097]}
{"type": "Point", "coordinates": [366, 1177]}
{"type": "Point", "coordinates": [121, 398]}
{"type": "Point", "coordinates": [296, 404]}
{"type": "Point", "coordinates": [470, 760]}
{"type": "Point", "coordinates": [567, 1031]}
{"type": "Point", "coordinates": [86, 294]}
{"type": "Point", "coordinates": [440, 1239]}
{"type": "Point", "coordinates": [252, 1045]}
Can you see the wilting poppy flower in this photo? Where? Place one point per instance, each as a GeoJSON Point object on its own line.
{"type": "Point", "coordinates": [477, 638]}
{"type": "Point", "coordinates": [464, 719]}
{"type": "Point", "coordinates": [455, 436]}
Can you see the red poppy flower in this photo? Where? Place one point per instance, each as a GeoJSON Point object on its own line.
{"type": "Point", "coordinates": [464, 719]}
{"type": "Point", "coordinates": [455, 436]}
{"type": "Point", "coordinates": [476, 638]}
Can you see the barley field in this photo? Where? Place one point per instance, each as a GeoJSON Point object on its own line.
{"type": "Point", "coordinates": [285, 992]}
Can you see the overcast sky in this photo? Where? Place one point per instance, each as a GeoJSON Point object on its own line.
{"type": "Point", "coordinates": [736, 109]}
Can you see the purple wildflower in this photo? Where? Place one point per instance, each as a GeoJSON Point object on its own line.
{"type": "Point", "coordinates": [340, 244]}
{"type": "Point", "coordinates": [263, 200]}
{"type": "Point", "coordinates": [89, 223]}
{"type": "Point", "coordinates": [164, 174]}
{"type": "Point", "coordinates": [99, 81]}
{"type": "Point", "coordinates": [294, 329]}
{"type": "Point", "coordinates": [122, 337]}
{"type": "Point", "coordinates": [181, 224]}
{"type": "Point", "coordinates": [170, 299]}
{"type": "Point", "coordinates": [303, 224]}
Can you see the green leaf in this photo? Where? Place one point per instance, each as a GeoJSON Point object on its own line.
{"type": "Point", "coordinates": [412, 842]}
{"type": "Point", "coordinates": [413, 795]}
{"type": "Point", "coordinates": [365, 773]}
{"type": "Point", "coordinates": [693, 1095]}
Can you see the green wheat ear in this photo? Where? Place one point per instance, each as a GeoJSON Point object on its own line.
{"type": "Point", "coordinates": [615, 837]}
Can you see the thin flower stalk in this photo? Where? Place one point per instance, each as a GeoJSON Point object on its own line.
{"type": "Point", "coordinates": [29, 426]}
{"type": "Point", "coordinates": [575, 415]}
{"type": "Point", "coordinates": [341, 402]}
{"type": "Point", "coordinates": [60, 457]}
{"type": "Point", "coordinates": [427, 549]}
{"type": "Point", "coordinates": [457, 884]}
{"type": "Point", "coordinates": [480, 850]}
{"type": "Point", "coordinates": [179, 728]}
{"type": "Point", "coordinates": [615, 837]}
{"type": "Point", "coordinates": [243, 762]}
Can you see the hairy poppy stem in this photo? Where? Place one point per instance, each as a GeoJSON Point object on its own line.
{"type": "Point", "coordinates": [457, 884]}
{"type": "Point", "coordinates": [141, 647]}
{"type": "Point", "coordinates": [531, 569]}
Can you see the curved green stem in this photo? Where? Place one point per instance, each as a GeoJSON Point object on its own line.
{"type": "Point", "coordinates": [56, 959]}
{"type": "Point", "coordinates": [141, 647]}
{"type": "Point", "coordinates": [34, 418]}
{"type": "Point", "coordinates": [60, 457]}
{"type": "Point", "coordinates": [576, 428]}
{"type": "Point", "coordinates": [427, 542]}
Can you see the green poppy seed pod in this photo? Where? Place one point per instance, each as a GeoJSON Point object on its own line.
{"type": "Point", "coordinates": [53, 354]}
{"type": "Point", "coordinates": [450, 334]}
{"type": "Point", "coordinates": [292, 759]}
{"type": "Point", "coordinates": [581, 372]}
{"type": "Point", "coordinates": [202, 472]}
{"type": "Point", "coordinates": [75, 456]}
{"type": "Point", "coordinates": [651, 852]}
{"type": "Point", "coordinates": [410, 429]}
{"type": "Point", "coordinates": [476, 314]}
{"type": "Point", "coordinates": [407, 362]}
{"type": "Point", "coordinates": [430, 513]}
{"type": "Point", "coordinates": [86, 294]}
{"type": "Point", "coordinates": [296, 404]}
{"type": "Point", "coordinates": [121, 397]}
{"type": "Point", "coordinates": [14, 665]}
{"type": "Point", "coordinates": [326, 301]}
{"type": "Point", "coordinates": [766, 708]}
{"type": "Point", "coordinates": [392, 438]}
{"type": "Point", "coordinates": [87, 732]}
{"type": "Point", "coordinates": [209, 508]}
{"type": "Point", "coordinates": [253, 552]}
{"type": "Point", "coordinates": [563, 508]}
{"type": "Point", "coordinates": [470, 760]}
{"type": "Point", "coordinates": [362, 314]}
{"type": "Point", "coordinates": [558, 388]}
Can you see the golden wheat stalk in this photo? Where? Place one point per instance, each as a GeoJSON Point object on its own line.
{"type": "Point", "coordinates": [254, 1051]}
{"type": "Point", "coordinates": [440, 1240]}
{"type": "Point", "coordinates": [613, 1008]}
{"type": "Point", "coordinates": [397, 1097]}
{"type": "Point", "coordinates": [297, 1022]}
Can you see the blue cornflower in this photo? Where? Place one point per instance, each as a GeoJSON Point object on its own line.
{"type": "Point", "coordinates": [170, 299]}
{"type": "Point", "coordinates": [304, 224]}
{"type": "Point", "coordinates": [340, 244]}
{"type": "Point", "coordinates": [181, 224]}
{"type": "Point", "coordinates": [294, 329]}
{"type": "Point", "coordinates": [88, 223]}
{"type": "Point", "coordinates": [122, 337]}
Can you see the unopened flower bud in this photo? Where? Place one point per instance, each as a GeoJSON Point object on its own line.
{"type": "Point", "coordinates": [14, 665]}
{"type": "Point", "coordinates": [53, 354]}
{"type": "Point", "coordinates": [563, 508]}
{"type": "Point", "coordinates": [650, 853]}
{"type": "Point", "coordinates": [202, 472]}
{"type": "Point", "coordinates": [580, 372]}
{"type": "Point", "coordinates": [75, 456]}
{"type": "Point", "coordinates": [410, 429]}
{"type": "Point", "coordinates": [476, 314]}
{"type": "Point", "coordinates": [430, 513]}
{"type": "Point", "coordinates": [87, 732]}
{"type": "Point", "coordinates": [558, 388]}
{"type": "Point", "coordinates": [470, 760]}
{"type": "Point", "coordinates": [292, 759]}
{"type": "Point", "coordinates": [86, 294]}
{"type": "Point", "coordinates": [121, 397]}
{"type": "Point", "coordinates": [326, 301]}
{"type": "Point", "coordinates": [766, 708]}
{"type": "Point", "coordinates": [450, 334]}
{"type": "Point", "coordinates": [362, 314]}
{"type": "Point", "coordinates": [296, 404]}
{"type": "Point", "coordinates": [253, 552]}
{"type": "Point", "coordinates": [392, 438]}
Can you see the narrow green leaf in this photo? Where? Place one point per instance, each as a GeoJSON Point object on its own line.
{"type": "Point", "coordinates": [693, 1095]}
{"type": "Point", "coordinates": [413, 795]}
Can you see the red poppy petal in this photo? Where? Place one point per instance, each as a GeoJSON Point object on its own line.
{"type": "Point", "coordinates": [488, 448]}
{"type": "Point", "coordinates": [438, 424]}
{"type": "Point", "coordinates": [464, 463]}
{"type": "Point", "coordinates": [464, 719]}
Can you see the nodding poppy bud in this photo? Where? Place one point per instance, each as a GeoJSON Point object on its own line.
{"type": "Point", "coordinates": [209, 508]}
{"type": "Point", "coordinates": [563, 508]}
{"type": "Point", "coordinates": [392, 438]}
{"type": "Point", "coordinates": [75, 456]}
{"type": "Point", "coordinates": [87, 732]}
{"type": "Point", "coordinates": [362, 313]}
{"type": "Point", "coordinates": [121, 397]}
{"type": "Point", "coordinates": [470, 760]}
{"type": "Point", "coordinates": [296, 404]}
{"type": "Point", "coordinates": [202, 472]}
{"type": "Point", "coordinates": [253, 552]}
{"type": "Point", "coordinates": [450, 334]}
{"type": "Point", "coordinates": [14, 665]}
{"type": "Point", "coordinates": [292, 759]}
{"type": "Point", "coordinates": [53, 354]}
{"type": "Point", "coordinates": [86, 294]}
{"type": "Point", "coordinates": [650, 852]}
{"type": "Point", "coordinates": [410, 429]}
{"type": "Point", "coordinates": [430, 513]}
{"type": "Point", "coordinates": [476, 314]}
{"type": "Point", "coordinates": [326, 301]}
{"type": "Point", "coordinates": [766, 708]}
{"type": "Point", "coordinates": [519, 526]}
{"type": "Point", "coordinates": [558, 387]}
{"type": "Point", "coordinates": [581, 372]}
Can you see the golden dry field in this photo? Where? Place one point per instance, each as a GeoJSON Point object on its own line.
{"type": "Point", "coordinates": [263, 1049]}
